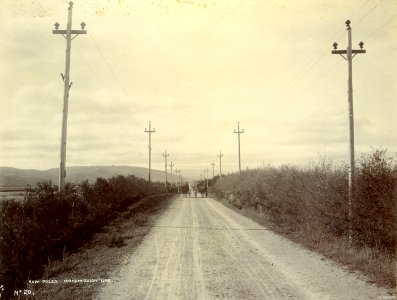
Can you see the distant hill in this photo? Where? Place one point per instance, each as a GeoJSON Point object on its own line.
{"type": "Point", "coordinates": [13, 177]}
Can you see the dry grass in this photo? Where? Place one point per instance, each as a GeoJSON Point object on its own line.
{"type": "Point", "coordinates": [375, 266]}
{"type": "Point", "coordinates": [105, 252]}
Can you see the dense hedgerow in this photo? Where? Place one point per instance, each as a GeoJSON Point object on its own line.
{"type": "Point", "coordinates": [49, 223]}
{"type": "Point", "coordinates": [375, 204]}
{"type": "Point", "coordinates": [315, 199]}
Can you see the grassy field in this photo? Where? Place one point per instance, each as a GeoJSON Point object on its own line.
{"type": "Point", "coordinates": [9, 195]}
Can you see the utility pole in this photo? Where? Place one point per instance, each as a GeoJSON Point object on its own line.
{"type": "Point", "coordinates": [67, 34]}
{"type": "Point", "coordinates": [165, 154]}
{"type": "Point", "coordinates": [172, 181]}
{"type": "Point", "coordinates": [180, 177]}
{"type": "Point", "coordinates": [206, 170]}
{"type": "Point", "coordinates": [220, 155]}
{"type": "Point", "coordinates": [150, 131]}
{"type": "Point", "coordinates": [213, 174]}
{"type": "Point", "coordinates": [350, 53]}
{"type": "Point", "coordinates": [238, 134]}
{"type": "Point", "coordinates": [206, 182]}
{"type": "Point", "coordinates": [177, 185]}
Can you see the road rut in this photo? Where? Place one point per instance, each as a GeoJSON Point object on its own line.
{"type": "Point", "coordinates": [200, 249]}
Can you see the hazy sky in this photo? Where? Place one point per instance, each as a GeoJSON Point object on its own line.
{"type": "Point", "coordinates": [195, 68]}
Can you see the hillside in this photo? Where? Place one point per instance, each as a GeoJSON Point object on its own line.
{"type": "Point", "coordinates": [13, 177]}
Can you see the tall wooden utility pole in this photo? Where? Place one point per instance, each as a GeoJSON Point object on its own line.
{"type": "Point", "coordinates": [165, 154]}
{"type": "Point", "coordinates": [213, 173]}
{"type": "Point", "coordinates": [150, 131]}
{"type": "Point", "coordinates": [350, 53]}
{"type": "Point", "coordinates": [220, 155]}
{"type": "Point", "coordinates": [171, 166]}
{"type": "Point", "coordinates": [68, 35]}
{"type": "Point", "coordinates": [238, 134]}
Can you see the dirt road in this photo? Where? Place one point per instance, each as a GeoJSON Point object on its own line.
{"type": "Point", "coordinates": [200, 249]}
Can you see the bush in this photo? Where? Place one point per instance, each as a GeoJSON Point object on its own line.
{"type": "Point", "coordinates": [374, 206]}
{"type": "Point", "coordinates": [316, 198]}
{"type": "Point", "coordinates": [48, 223]}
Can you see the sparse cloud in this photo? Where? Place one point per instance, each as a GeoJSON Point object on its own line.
{"type": "Point", "coordinates": [193, 71]}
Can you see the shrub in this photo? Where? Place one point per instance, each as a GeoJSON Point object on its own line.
{"type": "Point", "coordinates": [374, 206]}
{"type": "Point", "coordinates": [48, 223]}
{"type": "Point", "coordinates": [316, 197]}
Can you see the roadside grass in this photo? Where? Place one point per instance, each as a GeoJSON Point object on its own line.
{"type": "Point", "coordinates": [101, 255]}
{"type": "Point", "coordinates": [378, 267]}
{"type": "Point", "coordinates": [309, 206]}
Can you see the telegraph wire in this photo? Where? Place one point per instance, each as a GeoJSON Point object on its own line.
{"type": "Point", "coordinates": [379, 28]}
{"type": "Point", "coordinates": [319, 77]}
{"type": "Point", "coordinates": [368, 12]}
{"type": "Point", "coordinates": [108, 64]}
{"type": "Point", "coordinates": [323, 51]}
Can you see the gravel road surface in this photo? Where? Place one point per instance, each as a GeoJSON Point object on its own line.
{"type": "Point", "coordinates": [200, 249]}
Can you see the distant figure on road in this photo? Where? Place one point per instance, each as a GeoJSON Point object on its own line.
{"type": "Point", "coordinates": [195, 194]}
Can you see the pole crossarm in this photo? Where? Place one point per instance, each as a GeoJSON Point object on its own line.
{"type": "Point", "coordinates": [165, 155]}
{"type": "Point", "coordinates": [179, 177]}
{"type": "Point", "coordinates": [220, 155]}
{"type": "Point", "coordinates": [238, 131]}
{"type": "Point", "coordinates": [350, 53]}
{"type": "Point", "coordinates": [345, 51]}
{"type": "Point", "coordinates": [171, 166]}
{"type": "Point", "coordinates": [77, 32]}
{"type": "Point", "coordinates": [67, 34]}
{"type": "Point", "coordinates": [150, 131]}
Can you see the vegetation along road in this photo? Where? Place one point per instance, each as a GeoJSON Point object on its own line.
{"type": "Point", "coordinates": [200, 249]}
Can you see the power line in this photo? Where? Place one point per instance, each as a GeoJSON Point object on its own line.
{"type": "Point", "coordinates": [67, 34]}
{"type": "Point", "coordinates": [368, 12]}
{"type": "Point", "coordinates": [379, 28]}
{"type": "Point", "coordinates": [313, 61]}
{"type": "Point", "coordinates": [324, 50]}
{"type": "Point", "coordinates": [360, 8]}
{"type": "Point", "coordinates": [108, 64]}
{"type": "Point", "coordinates": [302, 92]}
{"type": "Point", "coordinates": [102, 84]}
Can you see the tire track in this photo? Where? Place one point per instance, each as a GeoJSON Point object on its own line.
{"type": "Point", "coordinates": [200, 249]}
{"type": "Point", "coordinates": [238, 252]}
{"type": "Point", "coordinates": [197, 255]}
{"type": "Point", "coordinates": [260, 264]}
